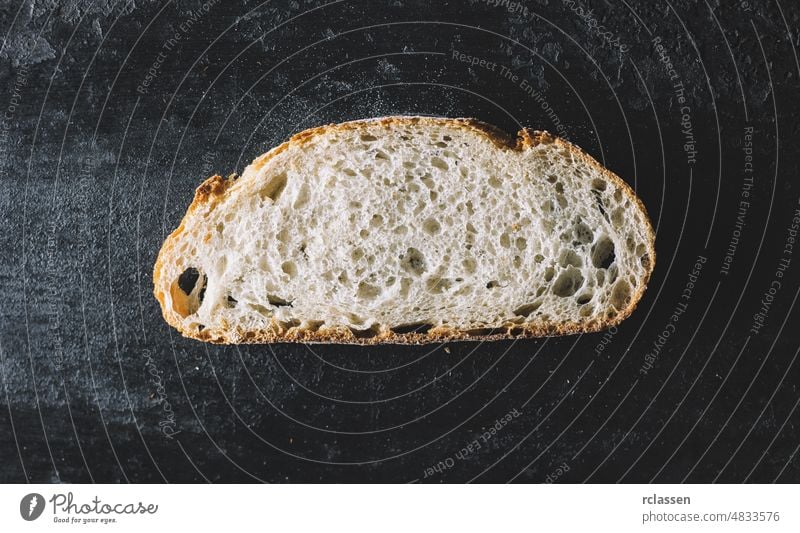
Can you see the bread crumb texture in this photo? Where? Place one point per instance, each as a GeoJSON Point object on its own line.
{"type": "Point", "coordinates": [407, 229]}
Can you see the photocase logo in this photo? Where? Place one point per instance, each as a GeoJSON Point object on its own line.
{"type": "Point", "coordinates": [31, 506]}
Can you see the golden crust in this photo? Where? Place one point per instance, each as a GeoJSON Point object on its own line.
{"type": "Point", "coordinates": [344, 335]}
{"type": "Point", "coordinates": [212, 191]}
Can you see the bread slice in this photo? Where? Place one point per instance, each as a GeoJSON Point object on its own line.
{"type": "Point", "coordinates": [407, 230]}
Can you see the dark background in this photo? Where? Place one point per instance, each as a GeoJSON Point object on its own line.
{"type": "Point", "coordinates": [98, 168]}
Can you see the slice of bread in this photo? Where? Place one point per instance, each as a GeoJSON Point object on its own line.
{"type": "Point", "coordinates": [407, 230]}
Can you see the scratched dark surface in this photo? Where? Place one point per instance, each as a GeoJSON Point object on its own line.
{"type": "Point", "coordinates": [113, 112]}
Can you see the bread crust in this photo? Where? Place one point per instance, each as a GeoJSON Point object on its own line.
{"type": "Point", "coordinates": [214, 190]}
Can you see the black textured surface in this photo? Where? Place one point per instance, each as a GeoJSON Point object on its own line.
{"type": "Point", "coordinates": [100, 160]}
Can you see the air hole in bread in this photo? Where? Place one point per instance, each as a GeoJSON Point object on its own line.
{"type": "Point", "coordinates": [428, 181]}
{"type": "Point", "coordinates": [302, 197]}
{"type": "Point", "coordinates": [485, 332]}
{"type": "Point", "coordinates": [364, 233]}
{"type": "Point", "coordinates": [600, 275]}
{"type": "Point", "coordinates": [527, 309]}
{"type": "Point", "coordinates": [286, 325]}
{"type": "Point", "coordinates": [505, 240]}
{"type": "Point", "coordinates": [540, 290]}
{"type": "Point", "coordinates": [586, 310]}
{"type": "Point", "coordinates": [231, 301]}
{"type": "Point", "coordinates": [551, 178]}
{"type": "Point", "coordinates": [436, 285]}
{"type": "Point", "coordinates": [367, 138]}
{"type": "Point", "coordinates": [187, 292]}
{"type": "Point", "coordinates": [356, 254]}
{"type": "Point", "coordinates": [621, 295]}
{"type": "Point", "coordinates": [314, 325]}
{"type": "Point", "coordinates": [283, 235]}
{"type": "Point", "coordinates": [367, 291]}
{"type": "Point", "coordinates": [598, 184]}
{"type": "Point", "coordinates": [289, 268]}
{"type": "Point", "coordinates": [463, 290]}
{"type": "Point", "coordinates": [516, 331]}
{"type": "Point", "coordinates": [431, 226]}
{"type": "Point", "coordinates": [568, 282]}
{"type": "Point", "coordinates": [368, 333]}
{"type": "Point", "coordinates": [277, 301]}
{"type": "Point", "coordinates": [494, 182]}
{"type": "Point", "coordinates": [584, 298]}
{"type": "Point", "coordinates": [470, 265]}
{"type": "Point", "coordinates": [618, 195]}
{"type": "Point", "coordinates": [521, 243]}
{"type": "Point", "coordinates": [612, 274]}
{"type": "Point", "coordinates": [413, 262]}
{"type": "Point", "coordinates": [382, 156]}
{"type": "Point", "coordinates": [569, 257]}
{"type": "Point", "coordinates": [274, 187]}
{"type": "Point", "coordinates": [441, 144]}
{"type": "Point", "coordinates": [559, 187]}
{"type": "Point", "coordinates": [405, 284]}
{"type": "Point", "coordinates": [355, 319]}
{"type": "Point", "coordinates": [414, 327]}
{"type": "Point", "coordinates": [583, 233]}
{"type": "Point", "coordinates": [492, 284]}
{"type": "Point", "coordinates": [188, 279]}
{"type": "Point", "coordinates": [603, 253]}
{"type": "Point", "coordinates": [260, 309]}
{"type": "Point", "coordinates": [549, 272]}
{"type": "Point", "coordinates": [440, 163]}
{"type": "Point", "coordinates": [617, 217]}
{"type": "Point", "coordinates": [598, 198]}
